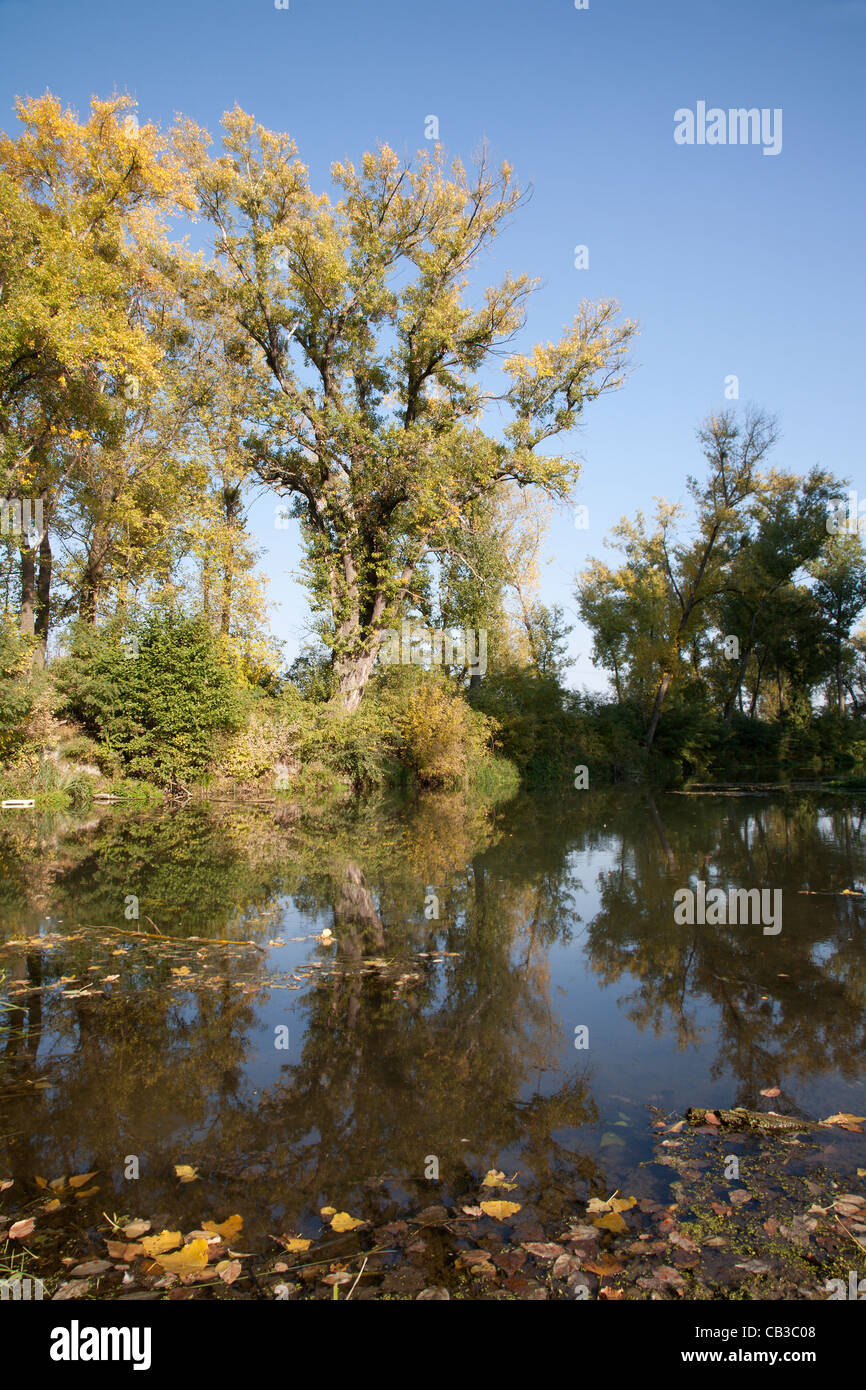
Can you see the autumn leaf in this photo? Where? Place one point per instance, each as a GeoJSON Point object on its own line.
{"type": "Point", "coordinates": [771, 1092]}
{"type": "Point", "coordinates": [344, 1222]}
{"type": "Point", "coordinates": [185, 1172]}
{"type": "Point", "coordinates": [612, 1222]}
{"type": "Point", "coordinates": [20, 1229]}
{"type": "Point", "coordinates": [327, 1211]}
{"type": "Point", "coordinates": [500, 1211]}
{"type": "Point", "coordinates": [296, 1245]}
{"type": "Point", "coordinates": [81, 1180]}
{"type": "Point", "coordinates": [166, 1240]}
{"type": "Point", "coordinates": [134, 1229]}
{"type": "Point", "coordinates": [846, 1121]}
{"type": "Point", "coordinates": [228, 1270]}
{"type": "Point", "coordinates": [227, 1229]}
{"type": "Point", "coordinates": [186, 1261]}
{"type": "Point", "coordinates": [604, 1266]}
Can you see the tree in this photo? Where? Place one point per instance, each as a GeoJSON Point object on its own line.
{"type": "Point", "coordinates": [81, 214]}
{"type": "Point", "coordinates": [361, 363]}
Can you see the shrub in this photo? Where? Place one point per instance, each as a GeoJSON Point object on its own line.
{"type": "Point", "coordinates": [162, 710]}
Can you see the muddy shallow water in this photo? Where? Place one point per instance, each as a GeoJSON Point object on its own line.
{"type": "Point", "coordinates": [372, 1014]}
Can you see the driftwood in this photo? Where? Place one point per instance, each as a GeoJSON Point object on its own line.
{"type": "Point", "coordinates": [762, 1122]}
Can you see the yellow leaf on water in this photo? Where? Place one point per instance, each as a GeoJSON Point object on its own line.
{"type": "Point", "coordinates": [295, 1244]}
{"type": "Point", "coordinates": [844, 1119]}
{"type": "Point", "coordinates": [623, 1203]}
{"type": "Point", "coordinates": [227, 1228]}
{"type": "Point", "coordinates": [612, 1222]}
{"type": "Point", "coordinates": [327, 1211]}
{"type": "Point", "coordinates": [52, 1205]}
{"type": "Point", "coordinates": [344, 1222]}
{"type": "Point", "coordinates": [186, 1172]}
{"type": "Point", "coordinates": [166, 1240]}
{"type": "Point", "coordinates": [40, 1182]}
{"type": "Point", "coordinates": [57, 1184]}
{"type": "Point", "coordinates": [87, 1192]}
{"type": "Point", "coordinates": [500, 1210]}
{"type": "Point", "coordinates": [186, 1261]}
{"type": "Point", "coordinates": [493, 1178]}
{"type": "Point", "coordinates": [81, 1180]}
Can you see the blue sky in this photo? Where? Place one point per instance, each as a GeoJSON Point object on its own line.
{"type": "Point", "coordinates": [732, 261]}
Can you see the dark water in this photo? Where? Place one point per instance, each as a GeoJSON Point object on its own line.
{"type": "Point", "coordinates": [310, 1072]}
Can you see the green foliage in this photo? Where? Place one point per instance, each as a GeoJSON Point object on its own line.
{"type": "Point", "coordinates": [161, 711]}
{"type": "Point", "coordinates": [16, 693]}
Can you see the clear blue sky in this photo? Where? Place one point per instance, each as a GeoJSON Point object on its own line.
{"type": "Point", "coordinates": [731, 260]}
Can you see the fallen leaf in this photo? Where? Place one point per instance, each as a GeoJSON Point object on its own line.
{"type": "Point", "coordinates": [21, 1229]}
{"type": "Point", "coordinates": [87, 1192]}
{"type": "Point", "coordinates": [472, 1211]}
{"type": "Point", "coordinates": [228, 1270]}
{"type": "Point", "coordinates": [327, 1211]}
{"type": "Point", "coordinates": [227, 1229]}
{"type": "Point", "coordinates": [166, 1240]}
{"type": "Point", "coordinates": [295, 1244]}
{"type": "Point", "coordinates": [604, 1266]}
{"type": "Point", "coordinates": [500, 1210]}
{"type": "Point", "coordinates": [134, 1229]}
{"type": "Point", "coordinates": [81, 1180]}
{"type": "Point", "coordinates": [186, 1261]}
{"type": "Point", "coordinates": [844, 1119]}
{"type": "Point", "coordinates": [90, 1268]}
{"type": "Point", "coordinates": [612, 1222]}
{"type": "Point", "coordinates": [185, 1172]}
{"type": "Point", "coordinates": [771, 1092]}
{"type": "Point", "coordinates": [542, 1251]}
{"type": "Point", "coordinates": [344, 1222]}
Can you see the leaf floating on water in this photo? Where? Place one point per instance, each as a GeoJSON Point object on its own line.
{"type": "Point", "coordinates": [846, 1121]}
{"type": "Point", "coordinates": [186, 1261]}
{"type": "Point", "coordinates": [81, 1180]}
{"type": "Point", "coordinates": [771, 1092]}
{"type": "Point", "coordinates": [612, 1222]}
{"type": "Point", "coordinates": [296, 1245]}
{"type": "Point", "coordinates": [228, 1270]}
{"type": "Point", "coordinates": [21, 1229]}
{"type": "Point", "coordinates": [53, 1205]}
{"type": "Point", "coordinates": [327, 1211]}
{"type": "Point", "coordinates": [134, 1229]}
{"type": "Point", "coordinates": [500, 1211]}
{"type": "Point", "coordinates": [344, 1222]}
{"type": "Point", "coordinates": [166, 1240]}
{"type": "Point", "coordinates": [186, 1172]}
{"type": "Point", "coordinates": [472, 1211]}
{"type": "Point", "coordinates": [493, 1178]}
{"type": "Point", "coordinates": [227, 1229]}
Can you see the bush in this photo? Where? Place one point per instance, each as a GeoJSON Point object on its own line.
{"type": "Point", "coordinates": [161, 701]}
{"type": "Point", "coordinates": [16, 692]}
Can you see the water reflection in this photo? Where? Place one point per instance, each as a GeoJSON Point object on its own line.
{"type": "Point", "coordinates": [414, 1035]}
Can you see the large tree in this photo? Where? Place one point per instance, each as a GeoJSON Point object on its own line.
{"type": "Point", "coordinates": [363, 363]}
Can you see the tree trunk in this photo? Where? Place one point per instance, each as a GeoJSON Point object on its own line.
{"type": "Point", "coordinates": [352, 675]}
{"type": "Point", "coordinates": [657, 708]}
{"type": "Point", "coordinates": [43, 601]}
{"type": "Point", "coordinates": [27, 611]}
